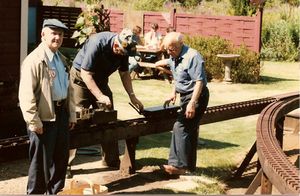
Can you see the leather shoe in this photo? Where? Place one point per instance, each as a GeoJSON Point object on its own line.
{"type": "Point", "coordinates": [170, 169]}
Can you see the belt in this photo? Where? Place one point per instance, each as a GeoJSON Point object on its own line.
{"type": "Point", "coordinates": [184, 94]}
{"type": "Point", "coordinates": [76, 69]}
{"type": "Point", "coordinates": [187, 93]}
{"type": "Point", "coordinates": [59, 103]}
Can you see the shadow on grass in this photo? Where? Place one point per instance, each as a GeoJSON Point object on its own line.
{"type": "Point", "coordinates": [245, 180]}
{"type": "Point", "coordinates": [224, 174]}
{"type": "Point", "coordinates": [140, 163]}
{"type": "Point", "coordinates": [214, 144]}
{"type": "Point", "coordinates": [117, 184]}
{"type": "Point", "coordinates": [163, 141]}
{"type": "Point", "coordinates": [271, 80]}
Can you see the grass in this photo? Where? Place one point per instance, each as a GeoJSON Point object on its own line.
{"type": "Point", "coordinates": [225, 143]}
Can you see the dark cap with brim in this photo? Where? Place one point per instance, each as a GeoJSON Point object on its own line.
{"type": "Point", "coordinates": [54, 23]}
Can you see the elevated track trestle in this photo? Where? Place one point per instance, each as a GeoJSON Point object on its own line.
{"type": "Point", "coordinates": [130, 130]}
{"type": "Point", "coordinates": [276, 169]}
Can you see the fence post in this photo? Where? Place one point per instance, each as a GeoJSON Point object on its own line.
{"type": "Point", "coordinates": [173, 18]}
{"type": "Point", "coordinates": [258, 28]}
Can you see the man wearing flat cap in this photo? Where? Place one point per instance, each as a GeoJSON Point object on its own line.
{"type": "Point", "coordinates": [48, 107]}
{"type": "Point", "coordinates": [101, 55]}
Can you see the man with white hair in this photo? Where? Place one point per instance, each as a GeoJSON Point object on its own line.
{"type": "Point", "coordinates": [100, 56]}
{"type": "Point", "coordinates": [48, 109]}
{"type": "Point", "coordinates": [188, 71]}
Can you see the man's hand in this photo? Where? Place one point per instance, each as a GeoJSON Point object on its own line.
{"type": "Point", "coordinates": [37, 130]}
{"type": "Point", "coordinates": [105, 100]}
{"type": "Point", "coordinates": [172, 99]}
{"type": "Point", "coordinates": [137, 103]}
{"type": "Point", "coordinates": [190, 110]}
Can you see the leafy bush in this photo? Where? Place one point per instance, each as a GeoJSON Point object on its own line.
{"type": "Point", "coordinates": [189, 3]}
{"type": "Point", "coordinates": [242, 8]}
{"type": "Point", "coordinates": [93, 19]}
{"type": "Point", "coordinates": [149, 5]}
{"type": "Point", "coordinates": [278, 44]}
{"type": "Point", "coordinates": [245, 69]}
{"type": "Point", "coordinates": [294, 29]}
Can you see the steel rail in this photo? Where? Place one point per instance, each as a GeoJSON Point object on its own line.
{"type": "Point", "coordinates": [275, 164]}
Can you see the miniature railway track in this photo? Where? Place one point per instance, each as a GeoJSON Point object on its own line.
{"type": "Point", "coordinates": [144, 126]}
{"type": "Point", "coordinates": [130, 130]}
{"type": "Point", "coordinates": [275, 164]}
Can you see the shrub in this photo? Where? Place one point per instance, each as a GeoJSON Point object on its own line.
{"type": "Point", "coordinates": [93, 19]}
{"type": "Point", "coordinates": [245, 69]}
{"type": "Point", "coordinates": [242, 8]}
{"type": "Point", "coordinates": [278, 44]}
{"type": "Point", "coordinates": [149, 5]}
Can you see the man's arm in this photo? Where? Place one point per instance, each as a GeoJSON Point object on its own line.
{"type": "Point", "coordinates": [197, 91]}
{"type": "Point", "coordinates": [88, 79]}
{"type": "Point", "coordinates": [162, 63]}
{"type": "Point", "coordinates": [126, 81]}
{"type": "Point", "coordinates": [27, 99]}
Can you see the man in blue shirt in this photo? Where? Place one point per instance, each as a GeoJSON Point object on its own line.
{"type": "Point", "coordinates": [100, 56]}
{"type": "Point", "coordinates": [188, 71]}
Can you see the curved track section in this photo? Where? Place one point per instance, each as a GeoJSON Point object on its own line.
{"type": "Point", "coordinates": [275, 164]}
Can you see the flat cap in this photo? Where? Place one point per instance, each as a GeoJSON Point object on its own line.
{"type": "Point", "coordinates": [127, 41]}
{"type": "Point", "coordinates": [54, 23]}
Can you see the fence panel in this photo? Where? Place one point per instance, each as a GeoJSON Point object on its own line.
{"type": "Point", "coordinates": [161, 18]}
{"type": "Point", "coordinates": [69, 15]}
{"type": "Point", "coordinates": [238, 29]}
{"type": "Point", "coordinates": [116, 21]}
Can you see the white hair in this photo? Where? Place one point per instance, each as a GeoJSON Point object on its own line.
{"type": "Point", "coordinates": [173, 38]}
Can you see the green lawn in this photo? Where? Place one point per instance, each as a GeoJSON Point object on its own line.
{"type": "Point", "coordinates": [225, 143]}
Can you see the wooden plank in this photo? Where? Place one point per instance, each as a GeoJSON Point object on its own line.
{"type": "Point", "coordinates": [146, 64]}
{"type": "Point", "coordinates": [254, 184]}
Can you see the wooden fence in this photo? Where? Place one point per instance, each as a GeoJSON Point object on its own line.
{"type": "Point", "coordinates": [238, 29]}
{"type": "Point", "coordinates": [69, 15]}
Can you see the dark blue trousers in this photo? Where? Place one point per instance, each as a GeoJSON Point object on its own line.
{"type": "Point", "coordinates": [48, 155]}
{"type": "Point", "coordinates": [183, 148]}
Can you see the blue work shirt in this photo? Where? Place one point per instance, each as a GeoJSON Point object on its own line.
{"type": "Point", "coordinates": [187, 69]}
{"type": "Point", "coordinates": [59, 79]}
{"type": "Point", "coordinates": [97, 56]}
